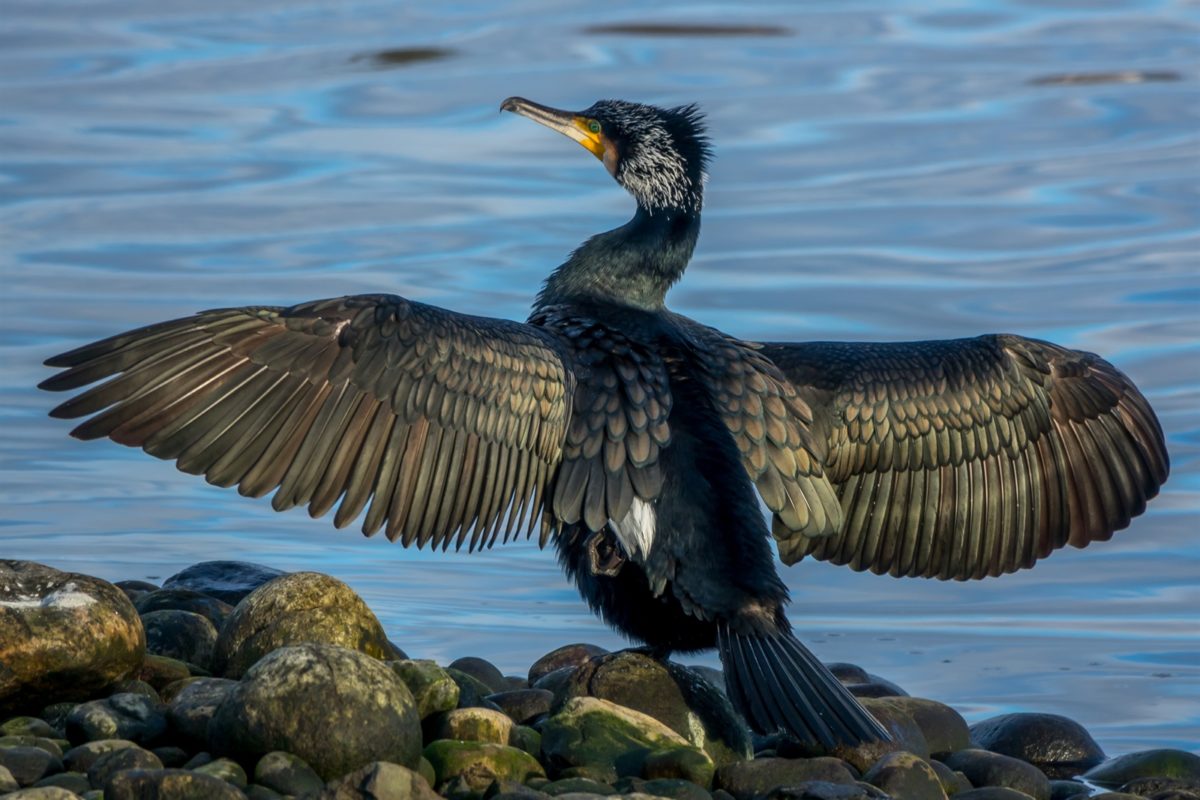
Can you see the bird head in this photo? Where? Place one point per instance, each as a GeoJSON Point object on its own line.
{"type": "Point", "coordinates": [658, 154]}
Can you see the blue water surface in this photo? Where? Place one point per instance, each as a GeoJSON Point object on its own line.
{"type": "Point", "coordinates": [884, 171]}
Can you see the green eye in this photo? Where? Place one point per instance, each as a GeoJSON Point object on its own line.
{"type": "Point", "coordinates": [594, 126]}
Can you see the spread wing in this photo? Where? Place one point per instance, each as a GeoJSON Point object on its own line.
{"type": "Point", "coordinates": [444, 422]}
{"type": "Point", "coordinates": [974, 457]}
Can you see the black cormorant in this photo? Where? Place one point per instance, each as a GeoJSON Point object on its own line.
{"type": "Point", "coordinates": [636, 439]}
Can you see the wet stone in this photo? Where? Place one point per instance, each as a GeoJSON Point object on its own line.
{"type": "Point", "coordinates": [27, 726]}
{"type": "Point", "coordinates": [121, 716]}
{"type": "Point", "coordinates": [379, 781]}
{"type": "Point", "coordinates": [182, 635]}
{"type": "Point", "coordinates": [168, 784]}
{"type": "Point", "coordinates": [482, 670]}
{"type": "Point", "coordinates": [357, 711]}
{"type": "Point", "coordinates": [227, 770]}
{"type": "Point", "coordinates": [905, 776]}
{"type": "Point", "coordinates": [293, 609]}
{"type": "Point", "coordinates": [63, 635]}
{"type": "Point", "coordinates": [228, 581]}
{"type": "Point", "coordinates": [986, 769]}
{"type": "Point", "coordinates": [571, 655]}
{"type": "Point", "coordinates": [214, 610]}
{"type": "Point", "coordinates": [1159, 763]}
{"type": "Point", "coordinates": [1057, 745]}
{"type": "Point", "coordinates": [943, 728]}
{"type": "Point", "coordinates": [287, 774]}
{"type": "Point", "coordinates": [27, 764]}
{"type": "Point", "coordinates": [82, 757]}
{"type": "Point", "coordinates": [190, 710]}
{"type": "Point", "coordinates": [432, 687]}
{"type": "Point", "coordinates": [745, 780]}
{"type": "Point", "coordinates": [109, 764]}
{"type": "Point", "coordinates": [523, 705]}
{"type": "Point", "coordinates": [75, 782]}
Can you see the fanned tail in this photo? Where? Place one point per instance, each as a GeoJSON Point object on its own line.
{"type": "Point", "coordinates": [776, 683]}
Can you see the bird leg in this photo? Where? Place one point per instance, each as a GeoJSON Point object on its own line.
{"type": "Point", "coordinates": [604, 555]}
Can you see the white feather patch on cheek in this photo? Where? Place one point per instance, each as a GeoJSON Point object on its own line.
{"type": "Point", "coordinates": [636, 530]}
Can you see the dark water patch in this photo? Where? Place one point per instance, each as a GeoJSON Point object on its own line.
{"type": "Point", "coordinates": [1097, 78]}
{"type": "Point", "coordinates": [686, 29]}
{"type": "Point", "coordinates": [402, 56]}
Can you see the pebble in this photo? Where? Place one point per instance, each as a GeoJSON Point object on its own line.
{"type": "Point", "coordinates": [75, 782]}
{"type": "Point", "coordinates": [63, 635]}
{"type": "Point", "coordinates": [228, 581]}
{"type": "Point", "coordinates": [356, 710]}
{"type": "Point", "coordinates": [28, 764]}
{"type": "Point", "coordinates": [379, 780]}
{"type": "Point", "coordinates": [168, 784]}
{"type": "Point", "coordinates": [293, 609]}
{"type": "Point", "coordinates": [1058, 746]}
{"type": "Point", "coordinates": [121, 716]}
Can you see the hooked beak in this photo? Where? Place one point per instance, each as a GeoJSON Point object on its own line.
{"type": "Point", "coordinates": [568, 123]}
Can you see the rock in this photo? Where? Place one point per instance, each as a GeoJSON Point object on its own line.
{"type": "Point", "coordinates": [287, 774]}
{"type": "Point", "coordinates": [27, 764]}
{"type": "Point", "coordinates": [511, 790]}
{"type": "Point", "coordinates": [198, 760]}
{"type": "Point", "coordinates": [357, 710]}
{"type": "Point", "coordinates": [943, 729]}
{"type": "Point", "coordinates": [1153, 787]}
{"type": "Point", "coordinates": [745, 780]}
{"type": "Point", "coordinates": [523, 705]}
{"type": "Point", "coordinates": [576, 785]}
{"type": "Point", "coordinates": [256, 792]}
{"type": "Point", "coordinates": [112, 762]}
{"type": "Point", "coordinates": [135, 589]}
{"type": "Point", "coordinates": [49, 745]}
{"type": "Point", "coordinates": [292, 609]}
{"type": "Point", "coordinates": [75, 782]}
{"type": "Point", "coordinates": [525, 738]}
{"type": "Point", "coordinates": [160, 671]}
{"type": "Point", "coordinates": [27, 726]}
{"type": "Point", "coordinates": [904, 776]}
{"type": "Point", "coordinates": [952, 782]}
{"type": "Point", "coordinates": [1160, 763]}
{"type": "Point", "coordinates": [55, 715]}
{"type": "Point", "coordinates": [671, 788]}
{"type": "Point", "coordinates": [848, 673]}
{"type": "Point", "coordinates": [63, 636]}
{"type": "Point", "coordinates": [598, 734]}
{"type": "Point", "coordinates": [42, 793]}
{"type": "Point", "coordinates": [482, 670]}
{"type": "Point", "coordinates": [171, 756]}
{"type": "Point", "coordinates": [168, 784]}
{"type": "Point", "coordinates": [893, 715]}
{"type": "Point", "coordinates": [471, 690]}
{"type": "Point", "coordinates": [571, 655]}
{"type": "Point", "coordinates": [190, 710]}
{"type": "Point", "coordinates": [214, 610]}
{"type": "Point", "coordinates": [475, 765]}
{"type": "Point", "coordinates": [122, 716]}
{"type": "Point", "coordinates": [1063, 789]}
{"type": "Point", "coordinates": [183, 635]}
{"type": "Point", "coordinates": [1058, 746]}
{"type": "Point", "coordinates": [379, 781]}
{"type": "Point", "coordinates": [431, 686]}
{"type": "Point", "coordinates": [227, 770]}
{"type": "Point", "coordinates": [471, 725]}
{"type": "Point", "coordinates": [671, 694]}
{"type": "Point", "coordinates": [821, 790]}
{"type": "Point", "coordinates": [228, 581]}
{"type": "Point", "coordinates": [984, 769]}
{"type": "Point", "coordinates": [1116, 796]}
{"type": "Point", "coordinates": [556, 682]}
{"type": "Point", "coordinates": [136, 686]}
{"type": "Point", "coordinates": [991, 793]}
{"type": "Point", "coordinates": [7, 782]}
{"type": "Point", "coordinates": [81, 758]}
{"type": "Point", "coordinates": [682, 763]}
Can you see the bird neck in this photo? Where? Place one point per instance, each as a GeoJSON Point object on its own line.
{"type": "Point", "coordinates": [632, 265]}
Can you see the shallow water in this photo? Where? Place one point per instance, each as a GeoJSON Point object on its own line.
{"type": "Point", "coordinates": [884, 171]}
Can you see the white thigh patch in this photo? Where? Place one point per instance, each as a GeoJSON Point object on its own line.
{"type": "Point", "coordinates": [636, 530]}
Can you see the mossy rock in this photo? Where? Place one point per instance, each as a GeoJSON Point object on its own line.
{"type": "Point", "coordinates": [431, 686]}
{"type": "Point", "coordinates": [1159, 763]}
{"type": "Point", "coordinates": [608, 739]}
{"type": "Point", "coordinates": [904, 776]}
{"type": "Point", "coordinates": [473, 766]}
{"type": "Point", "coordinates": [471, 725]}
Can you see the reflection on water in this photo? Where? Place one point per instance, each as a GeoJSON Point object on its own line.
{"type": "Point", "coordinates": [882, 172]}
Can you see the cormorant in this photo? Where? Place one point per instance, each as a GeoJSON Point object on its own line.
{"type": "Point", "coordinates": [636, 438]}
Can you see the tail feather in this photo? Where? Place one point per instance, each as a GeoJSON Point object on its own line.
{"type": "Point", "coordinates": [777, 683]}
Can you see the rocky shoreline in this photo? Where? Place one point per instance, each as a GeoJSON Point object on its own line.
{"type": "Point", "coordinates": [234, 680]}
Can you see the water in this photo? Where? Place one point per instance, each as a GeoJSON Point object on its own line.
{"type": "Point", "coordinates": [884, 171]}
